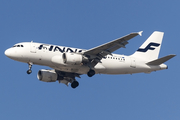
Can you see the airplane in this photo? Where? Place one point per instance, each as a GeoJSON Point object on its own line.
{"type": "Point", "coordinates": [68, 63]}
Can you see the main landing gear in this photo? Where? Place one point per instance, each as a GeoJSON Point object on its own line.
{"type": "Point", "coordinates": [74, 84]}
{"type": "Point", "coordinates": [91, 73]}
{"type": "Point", "coordinates": [30, 66]}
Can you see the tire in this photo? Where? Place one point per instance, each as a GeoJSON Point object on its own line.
{"type": "Point", "coordinates": [29, 71]}
{"type": "Point", "coordinates": [74, 84]}
{"type": "Point", "coordinates": [91, 73]}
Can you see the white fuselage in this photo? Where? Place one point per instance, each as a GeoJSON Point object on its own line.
{"type": "Point", "coordinates": [51, 55]}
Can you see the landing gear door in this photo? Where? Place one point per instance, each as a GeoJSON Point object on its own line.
{"type": "Point", "coordinates": [32, 47]}
{"type": "Point", "coordinates": [133, 62]}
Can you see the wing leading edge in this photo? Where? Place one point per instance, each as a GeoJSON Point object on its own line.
{"type": "Point", "coordinates": [111, 46]}
{"type": "Point", "coordinates": [97, 53]}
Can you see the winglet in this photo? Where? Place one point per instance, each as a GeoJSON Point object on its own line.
{"type": "Point", "coordinates": [140, 33]}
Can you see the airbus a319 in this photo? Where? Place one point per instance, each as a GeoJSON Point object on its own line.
{"type": "Point", "coordinates": [68, 63]}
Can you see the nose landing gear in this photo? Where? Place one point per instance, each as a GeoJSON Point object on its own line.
{"type": "Point", "coordinates": [30, 66]}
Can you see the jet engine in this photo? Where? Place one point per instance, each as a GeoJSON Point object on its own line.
{"type": "Point", "coordinates": [74, 59]}
{"type": "Point", "coordinates": [47, 75]}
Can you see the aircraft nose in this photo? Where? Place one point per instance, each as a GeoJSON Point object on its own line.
{"type": "Point", "coordinates": [13, 54]}
{"type": "Point", "coordinates": [8, 52]}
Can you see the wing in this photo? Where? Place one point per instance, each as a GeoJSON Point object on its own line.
{"type": "Point", "coordinates": [97, 53]}
{"type": "Point", "coordinates": [110, 47]}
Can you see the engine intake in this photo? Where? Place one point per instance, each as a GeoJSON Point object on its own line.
{"type": "Point", "coordinates": [47, 75]}
{"type": "Point", "coordinates": [74, 59]}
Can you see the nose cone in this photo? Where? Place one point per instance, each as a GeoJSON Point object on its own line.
{"type": "Point", "coordinates": [8, 53]}
{"type": "Point", "coordinates": [14, 53]}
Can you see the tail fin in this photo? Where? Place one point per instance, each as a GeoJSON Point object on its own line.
{"type": "Point", "coordinates": [150, 49]}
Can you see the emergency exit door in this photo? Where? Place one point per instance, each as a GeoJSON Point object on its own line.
{"type": "Point", "coordinates": [133, 62]}
{"type": "Point", "coordinates": [32, 47]}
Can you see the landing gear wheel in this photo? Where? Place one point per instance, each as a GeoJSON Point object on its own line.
{"type": "Point", "coordinates": [29, 71]}
{"type": "Point", "coordinates": [91, 73]}
{"type": "Point", "coordinates": [30, 66]}
{"type": "Point", "coordinates": [74, 84]}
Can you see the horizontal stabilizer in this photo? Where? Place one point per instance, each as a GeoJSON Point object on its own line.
{"type": "Point", "coordinates": [160, 60]}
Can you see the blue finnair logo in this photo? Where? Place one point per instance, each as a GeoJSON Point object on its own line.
{"type": "Point", "coordinates": [148, 47]}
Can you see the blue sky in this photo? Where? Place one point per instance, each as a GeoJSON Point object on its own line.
{"type": "Point", "coordinates": [86, 24]}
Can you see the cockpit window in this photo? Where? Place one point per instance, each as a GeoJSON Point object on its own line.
{"type": "Point", "coordinates": [18, 46]}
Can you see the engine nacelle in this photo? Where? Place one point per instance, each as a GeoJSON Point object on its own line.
{"type": "Point", "coordinates": [73, 58]}
{"type": "Point", "coordinates": [47, 75]}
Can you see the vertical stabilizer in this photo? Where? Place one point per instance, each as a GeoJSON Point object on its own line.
{"type": "Point", "coordinates": [150, 49]}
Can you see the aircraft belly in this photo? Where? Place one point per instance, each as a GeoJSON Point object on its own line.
{"type": "Point", "coordinates": [99, 68]}
{"type": "Point", "coordinates": [125, 67]}
{"type": "Point", "coordinates": [116, 67]}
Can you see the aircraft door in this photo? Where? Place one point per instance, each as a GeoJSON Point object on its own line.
{"type": "Point", "coordinates": [133, 62]}
{"type": "Point", "coordinates": [32, 47]}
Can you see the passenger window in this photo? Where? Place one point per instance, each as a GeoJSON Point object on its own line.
{"type": "Point", "coordinates": [18, 46]}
